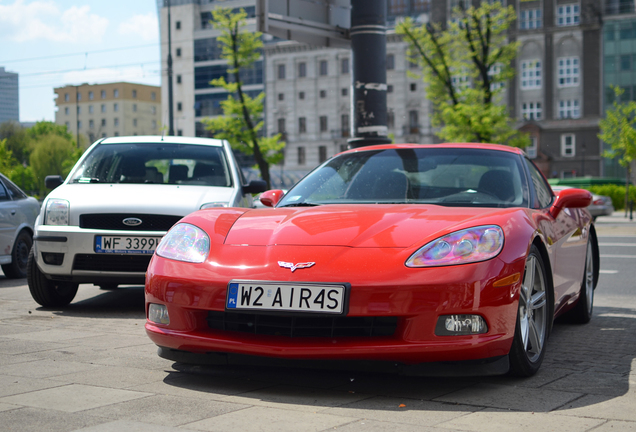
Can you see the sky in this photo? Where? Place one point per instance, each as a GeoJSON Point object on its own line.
{"type": "Point", "coordinates": [53, 43]}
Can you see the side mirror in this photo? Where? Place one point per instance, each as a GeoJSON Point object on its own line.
{"type": "Point", "coordinates": [53, 181]}
{"type": "Point", "coordinates": [255, 186]}
{"type": "Point", "coordinates": [271, 197]}
{"type": "Point", "coordinates": [570, 198]}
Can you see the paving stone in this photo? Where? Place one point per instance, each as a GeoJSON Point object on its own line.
{"type": "Point", "coordinates": [37, 420]}
{"type": "Point", "coordinates": [602, 407]}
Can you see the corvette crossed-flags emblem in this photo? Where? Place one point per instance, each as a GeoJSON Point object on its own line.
{"type": "Point", "coordinates": [293, 267]}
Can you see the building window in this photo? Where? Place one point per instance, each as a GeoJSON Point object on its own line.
{"type": "Point", "coordinates": [103, 108]}
{"type": "Point", "coordinates": [301, 156]}
{"type": "Point", "coordinates": [493, 74]}
{"type": "Point", "coordinates": [153, 110]}
{"type": "Point", "coordinates": [421, 6]}
{"type": "Point", "coordinates": [390, 119]}
{"type": "Point", "coordinates": [344, 92]}
{"type": "Point", "coordinates": [91, 124]}
{"type": "Point", "coordinates": [323, 68]}
{"type": "Point", "coordinates": [413, 122]}
{"type": "Point", "coordinates": [178, 53]}
{"type": "Point", "coordinates": [345, 125]}
{"type": "Point", "coordinates": [79, 109]}
{"type": "Point", "coordinates": [389, 88]}
{"type": "Point", "coordinates": [281, 71]}
{"type": "Point", "coordinates": [322, 154]}
{"type": "Point", "coordinates": [153, 96]}
{"type": "Point", "coordinates": [115, 107]}
{"type": "Point", "coordinates": [66, 110]}
{"type": "Point", "coordinates": [115, 93]}
{"type": "Point", "coordinates": [178, 79]}
{"type": "Point", "coordinates": [154, 124]}
{"type": "Point", "coordinates": [68, 125]}
{"type": "Point", "coordinates": [177, 25]}
{"type": "Point", "coordinates": [532, 149]}
{"type": "Point", "coordinates": [135, 122]}
{"type": "Point", "coordinates": [568, 14]}
{"type": "Point", "coordinates": [179, 106]}
{"type": "Point", "coordinates": [103, 94]}
{"type": "Point", "coordinates": [79, 96]}
{"type": "Point", "coordinates": [179, 132]}
{"type": "Point", "coordinates": [134, 94]}
{"type": "Point", "coordinates": [323, 123]}
{"type": "Point", "coordinates": [344, 66]}
{"type": "Point", "coordinates": [568, 145]}
{"type": "Point", "coordinates": [134, 107]}
{"type": "Point", "coordinates": [302, 70]}
{"type": "Point", "coordinates": [413, 87]}
{"type": "Point", "coordinates": [66, 97]}
{"type": "Point", "coordinates": [398, 7]}
{"type": "Point", "coordinates": [115, 134]}
{"type": "Point", "coordinates": [90, 109]}
{"type": "Point", "coordinates": [91, 96]}
{"type": "Point", "coordinates": [626, 62]}
{"type": "Point", "coordinates": [531, 111]}
{"type": "Point", "coordinates": [301, 95]}
{"type": "Point", "coordinates": [323, 94]}
{"type": "Point", "coordinates": [103, 122]}
{"type": "Point", "coordinates": [531, 74]}
{"type": "Point", "coordinates": [530, 19]}
{"type": "Point", "coordinates": [568, 71]}
{"type": "Point", "coordinates": [116, 121]}
{"type": "Point", "coordinates": [569, 109]}
{"type": "Point", "coordinates": [281, 96]}
{"type": "Point", "coordinates": [281, 125]}
{"type": "Point", "coordinates": [302, 125]}
{"type": "Point", "coordinates": [79, 124]}
{"type": "Point", "coordinates": [390, 62]}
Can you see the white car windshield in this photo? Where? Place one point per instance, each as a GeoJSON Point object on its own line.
{"type": "Point", "coordinates": [161, 163]}
{"type": "Point", "coordinates": [443, 176]}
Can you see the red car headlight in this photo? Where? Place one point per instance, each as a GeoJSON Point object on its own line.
{"type": "Point", "coordinates": [185, 242]}
{"type": "Point", "coordinates": [461, 247]}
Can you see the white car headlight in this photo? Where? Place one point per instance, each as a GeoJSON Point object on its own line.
{"type": "Point", "coordinates": [185, 242]}
{"type": "Point", "coordinates": [56, 212]}
{"type": "Point", "coordinates": [461, 247]}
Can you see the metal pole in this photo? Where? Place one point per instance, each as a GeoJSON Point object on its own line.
{"type": "Point", "coordinates": [368, 47]}
{"type": "Point", "coordinates": [170, 103]}
{"type": "Point", "coordinates": [77, 122]}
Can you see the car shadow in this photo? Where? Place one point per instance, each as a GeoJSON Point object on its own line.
{"type": "Point", "coordinates": [584, 365]}
{"type": "Point", "coordinates": [123, 302]}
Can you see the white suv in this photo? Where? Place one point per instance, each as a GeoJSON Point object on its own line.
{"type": "Point", "coordinates": [102, 224]}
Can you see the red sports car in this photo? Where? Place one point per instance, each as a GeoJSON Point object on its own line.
{"type": "Point", "coordinates": [416, 256]}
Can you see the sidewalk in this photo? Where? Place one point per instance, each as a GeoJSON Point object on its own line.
{"type": "Point", "coordinates": [616, 224]}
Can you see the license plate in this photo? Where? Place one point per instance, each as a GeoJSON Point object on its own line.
{"type": "Point", "coordinates": [286, 296]}
{"type": "Point", "coordinates": [123, 244]}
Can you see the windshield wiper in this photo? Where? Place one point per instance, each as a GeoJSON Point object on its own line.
{"type": "Point", "coordinates": [301, 204]}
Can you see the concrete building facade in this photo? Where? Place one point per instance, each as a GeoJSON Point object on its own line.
{"type": "Point", "coordinates": [9, 96]}
{"type": "Point", "coordinates": [113, 109]}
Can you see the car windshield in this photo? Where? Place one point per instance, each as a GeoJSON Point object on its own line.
{"type": "Point", "coordinates": [162, 163]}
{"type": "Point", "coordinates": [443, 176]}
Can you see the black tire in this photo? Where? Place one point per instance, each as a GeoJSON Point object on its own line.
{"type": "Point", "coordinates": [46, 292]}
{"type": "Point", "coordinates": [534, 318]}
{"type": "Point", "coordinates": [582, 311]}
{"type": "Point", "coordinates": [19, 256]}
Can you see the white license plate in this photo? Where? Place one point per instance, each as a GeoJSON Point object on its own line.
{"type": "Point", "coordinates": [286, 296]}
{"type": "Point", "coordinates": [123, 244]}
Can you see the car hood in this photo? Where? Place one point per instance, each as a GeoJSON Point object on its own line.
{"type": "Point", "coordinates": [377, 225]}
{"type": "Point", "coordinates": [178, 200]}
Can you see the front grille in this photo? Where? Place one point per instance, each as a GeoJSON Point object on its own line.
{"type": "Point", "coordinates": [114, 221]}
{"type": "Point", "coordinates": [112, 263]}
{"type": "Point", "coordinates": [290, 326]}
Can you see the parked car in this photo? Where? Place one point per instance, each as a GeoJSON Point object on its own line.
{"type": "Point", "coordinates": [601, 205]}
{"type": "Point", "coordinates": [102, 224]}
{"type": "Point", "coordinates": [17, 216]}
{"type": "Point", "coordinates": [402, 254]}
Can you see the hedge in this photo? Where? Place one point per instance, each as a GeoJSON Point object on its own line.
{"type": "Point", "coordinates": [617, 193]}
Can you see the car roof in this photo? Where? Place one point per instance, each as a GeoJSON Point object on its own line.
{"type": "Point", "coordinates": [157, 139]}
{"type": "Point", "coordinates": [498, 147]}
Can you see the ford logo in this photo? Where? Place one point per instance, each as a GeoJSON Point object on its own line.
{"type": "Point", "coordinates": [132, 221]}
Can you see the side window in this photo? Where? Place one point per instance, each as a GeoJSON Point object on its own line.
{"type": "Point", "coordinates": [543, 193]}
{"type": "Point", "coordinates": [4, 196]}
{"type": "Point", "coordinates": [14, 192]}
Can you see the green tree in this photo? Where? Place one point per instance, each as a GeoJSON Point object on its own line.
{"type": "Point", "coordinates": [466, 63]}
{"type": "Point", "coordinates": [242, 120]}
{"type": "Point", "coordinates": [17, 140]}
{"type": "Point", "coordinates": [618, 129]}
{"type": "Point", "coordinates": [52, 154]}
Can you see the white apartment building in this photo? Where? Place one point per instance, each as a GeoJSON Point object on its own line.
{"type": "Point", "coordinates": [113, 109]}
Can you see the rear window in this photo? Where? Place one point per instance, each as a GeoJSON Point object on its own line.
{"type": "Point", "coordinates": [163, 163]}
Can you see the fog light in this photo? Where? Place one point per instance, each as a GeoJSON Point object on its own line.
{"type": "Point", "coordinates": [449, 325]}
{"type": "Point", "coordinates": [158, 313]}
{"type": "Point", "coordinates": [52, 258]}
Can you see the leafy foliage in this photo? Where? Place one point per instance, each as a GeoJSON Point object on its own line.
{"type": "Point", "coordinates": [465, 66]}
{"type": "Point", "coordinates": [242, 120]}
{"type": "Point", "coordinates": [616, 192]}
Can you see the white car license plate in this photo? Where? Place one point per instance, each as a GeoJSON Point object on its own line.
{"type": "Point", "coordinates": [122, 244]}
{"type": "Point", "coordinates": [286, 296]}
